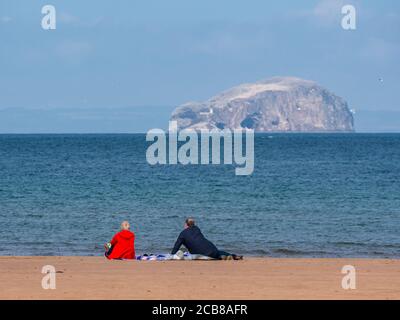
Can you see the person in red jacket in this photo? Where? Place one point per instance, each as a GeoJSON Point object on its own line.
{"type": "Point", "coordinates": [122, 245]}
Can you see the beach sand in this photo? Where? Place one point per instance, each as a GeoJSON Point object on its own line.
{"type": "Point", "coordinates": [253, 278]}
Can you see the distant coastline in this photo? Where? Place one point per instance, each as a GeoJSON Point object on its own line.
{"type": "Point", "coordinates": [137, 119]}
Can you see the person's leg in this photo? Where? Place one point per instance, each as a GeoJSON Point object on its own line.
{"type": "Point", "coordinates": [223, 255]}
{"type": "Point", "coordinates": [108, 252]}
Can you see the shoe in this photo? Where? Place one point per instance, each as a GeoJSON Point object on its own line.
{"type": "Point", "coordinates": [180, 255]}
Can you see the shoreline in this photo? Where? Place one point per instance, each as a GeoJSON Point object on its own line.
{"type": "Point", "coordinates": [83, 277]}
{"type": "Point", "coordinates": [245, 256]}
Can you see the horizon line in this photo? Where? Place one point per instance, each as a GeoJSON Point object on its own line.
{"type": "Point", "coordinates": [127, 133]}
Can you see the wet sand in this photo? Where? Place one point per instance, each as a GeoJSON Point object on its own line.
{"type": "Point", "coordinates": [253, 278]}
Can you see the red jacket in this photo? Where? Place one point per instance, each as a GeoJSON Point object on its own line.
{"type": "Point", "coordinates": [123, 245]}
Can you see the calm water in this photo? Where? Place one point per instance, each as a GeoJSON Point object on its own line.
{"type": "Point", "coordinates": [309, 195]}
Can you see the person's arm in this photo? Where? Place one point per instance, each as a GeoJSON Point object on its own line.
{"type": "Point", "coordinates": [114, 240]}
{"type": "Point", "coordinates": [112, 243]}
{"type": "Point", "coordinates": [178, 244]}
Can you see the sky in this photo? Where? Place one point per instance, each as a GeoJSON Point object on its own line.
{"type": "Point", "coordinates": [123, 66]}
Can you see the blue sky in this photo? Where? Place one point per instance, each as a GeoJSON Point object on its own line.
{"type": "Point", "coordinates": [123, 66]}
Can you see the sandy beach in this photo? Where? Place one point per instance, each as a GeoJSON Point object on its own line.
{"type": "Point", "coordinates": [253, 278]}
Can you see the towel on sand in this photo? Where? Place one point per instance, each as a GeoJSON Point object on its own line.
{"type": "Point", "coordinates": [177, 256]}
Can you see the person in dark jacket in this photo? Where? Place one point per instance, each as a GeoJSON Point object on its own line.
{"type": "Point", "coordinates": [192, 238]}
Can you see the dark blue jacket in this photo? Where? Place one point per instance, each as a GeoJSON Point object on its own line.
{"type": "Point", "coordinates": [196, 243]}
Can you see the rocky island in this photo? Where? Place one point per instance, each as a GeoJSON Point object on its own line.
{"type": "Point", "coordinates": [280, 104]}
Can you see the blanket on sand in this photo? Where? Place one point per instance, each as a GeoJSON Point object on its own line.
{"type": "Point", "coordinates": [167, 256]}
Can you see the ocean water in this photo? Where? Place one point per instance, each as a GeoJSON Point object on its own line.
{"type": "Point", "coordinates": [311, 195]}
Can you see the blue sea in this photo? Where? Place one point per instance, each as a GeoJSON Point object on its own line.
{"type": "Point", "coordinates": [310, 195]}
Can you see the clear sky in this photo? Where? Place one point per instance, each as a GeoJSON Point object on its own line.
{"type": "Point", "coordinates": [122, 66]}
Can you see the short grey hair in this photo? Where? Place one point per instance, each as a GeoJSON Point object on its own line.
{"type": "Point", "coordinates": [190, 222]}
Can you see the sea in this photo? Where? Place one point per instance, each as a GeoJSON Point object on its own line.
{"type": "Point", "coordinates": [310, 195]}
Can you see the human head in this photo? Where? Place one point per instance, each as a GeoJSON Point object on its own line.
{"type": "Point", "coordinates": [189, 222]}
{"type": "Point", "coordinates": [125, 225]}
